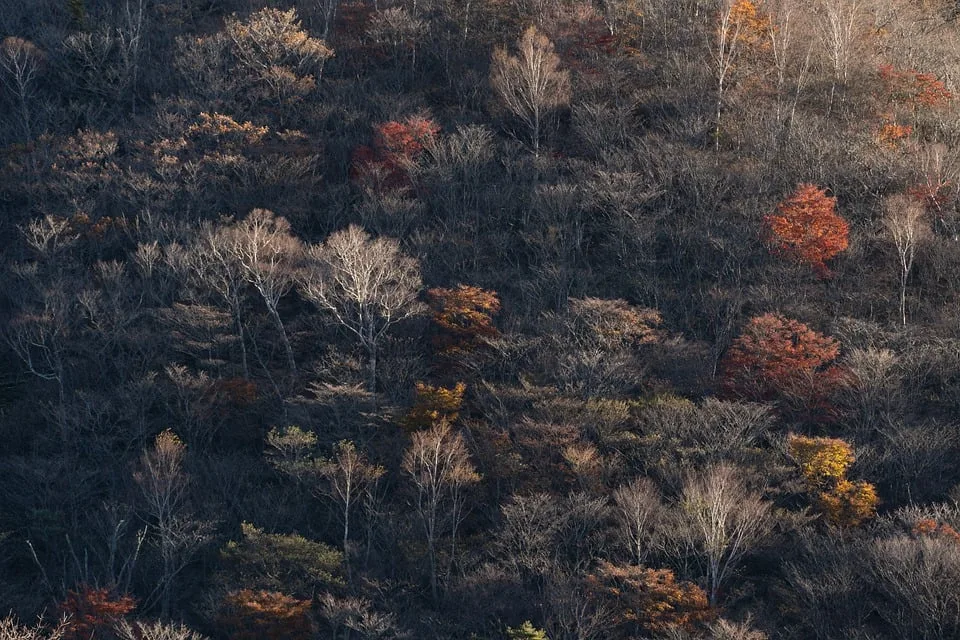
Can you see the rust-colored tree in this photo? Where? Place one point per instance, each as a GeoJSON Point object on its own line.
{"type": "Point", "coordinates": [913, 89]}
{"type": "Point", "coordinates": [776, 358]}
{"type": "Point", "coordinates": [266, 615]}
{"type": "Point", "coordinates": [930, 528]}
{"type": "Point", "coordinates": [463, 317]}
{"type": "Point", "coordinates": [91, 611]}
{"type": "Point", "coordinates": [644, 600]}
{"type": "Point", "coordinates": [384, 165]}
{"type": "Point", "coordinates": [806, 227]}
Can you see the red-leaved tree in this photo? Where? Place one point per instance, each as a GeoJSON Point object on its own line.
{"type": "Point", "coordinates": [806, 227]}
{"type": "Point", "coordinates": [776, 358]}
{"type": "Point", "coordinates": [384, 166]}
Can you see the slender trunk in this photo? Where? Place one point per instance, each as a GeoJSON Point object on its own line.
{"type": "Point", "coordinates": [904, 272]}
{"type": "Point", "coordinates": [372, 354]}
{"type": "Point", "coordinates": [536, 135]}
{"type": "Point", "coordinates": [291, 363]}
{"type": "Point", "coordinates": [346, 533]}
{"type": "Point", "coordinates": [243, 345]}
{"type": "Point", "coordinates": [25, 115]}
{"type": "Point", "coordinates": [716, 133]}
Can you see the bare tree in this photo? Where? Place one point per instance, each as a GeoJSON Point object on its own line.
{"type": "Point", "coordinates": [531, 85]}
{"type": "Point", "coordinates": [212, 267]}
{"type": "Point", "coordinates": [637, 508]}
{"type": "Point", "coordinates": [840, 30]}
{"type": "Point", "coordinates": [734, 32]}
{"type": "Point", "coordinates": [20, 62]}
{"type": "Point", "coordinates": [786, 31]}
{"type": "Point", "coordinates": [721, 520]}
{"type": "Point", "coordinates": [347, 476]}
{"type": "Point", "coordinates": [267, 254]}
{"type": "Point", "coordinates": [439, 468]}
{"type": "Point", "coordinates": [164, 485]}
{"type": "Point", "coordinates": [126, 630]}
{"type": "Point", "coordinates": [344, 479]}
{"type": "Point", "coordinates": [906, 223]}
{"type": "Point", "coordinates": [12, 629]}
{"type": "Point", "coordinates": [919, 581]}
{"type": "Point", "coordinates": [367, 283]}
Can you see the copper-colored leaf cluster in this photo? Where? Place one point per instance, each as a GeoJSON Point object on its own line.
{"type": "Point", "coordinates": [266, 615]}
{"type": "Point", "coordinates": [776, 357]}
{"type": "Point", "coordinates": [914, 89]}
{"type": "Point", "coordinates": [806, 227]}
{"type": "Point", "coordinates": [890, 133]}
{"type": "Point", "coordinates": [92, 610]}
{"type": "Point", "coordinates": [644, 600]}
{"type": "Point", "coordinates": [824, 463]}
{"type": "Point", "coordinates": [463, 316]}
{"type": "Point", "coordinates": [930, 528]}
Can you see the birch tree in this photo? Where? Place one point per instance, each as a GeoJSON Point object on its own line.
{"type": "Point", "coordinates": [906, 223]}
{"type": "Point", "coordinates": [531, 84]}
{"type": "Point", "coordinates": [366, 283]}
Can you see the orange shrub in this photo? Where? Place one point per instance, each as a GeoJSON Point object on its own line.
{"type": "Point", "coordinates": [92, 611]}
{"type": "Point", "coordinates": [266, 615]}
{"type": "Point", "coordinates": [807, 228]}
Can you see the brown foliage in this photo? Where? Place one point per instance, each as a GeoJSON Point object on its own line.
{"type": "Point", "coordinates": [93, 611]}
{"type": "Point", "coordinates": [647, 600]}
{"type": "Point", "coordinates": [928, 527]}
{"type": "Point", "coordinates": [776, 358]}
{"type": "Point", "coordinates": [266, 615]}
{"type": "Point", "coordinates": [464, 317]}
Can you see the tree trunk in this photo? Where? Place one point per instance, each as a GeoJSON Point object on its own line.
{"type": "Point", "coordinates": [291, 363]}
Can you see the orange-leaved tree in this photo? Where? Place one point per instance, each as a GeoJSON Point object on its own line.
{"type": "Point", "coordinates": [824, 463]}
{"type": "Point", "coordinates": [930, 528]}
{"type": "Point", "coordinates": [92, 611]}
{"type": "Point", "coordinates": [463, 316]}
{"type": "Point", "coordinates": [643, 600]}
{"type": "Point", "coordinates": [806, 227]}
{"type": "Point", "coordinates": [776, 358]}
{"type": "Point", "coordinates": [266, 615]}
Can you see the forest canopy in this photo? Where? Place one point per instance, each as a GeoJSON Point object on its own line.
{"type": "Point", "coordinates": [490, 319]}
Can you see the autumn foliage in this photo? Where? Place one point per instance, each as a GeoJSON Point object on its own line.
{"type": "Point", "coordinates": [824, 463]}
{"type": "Point", "coordinates": [385, 165]}
{"type": "Point", "coordinates": [751, 24]}
{"type": "Point", "coordinates": [463, 317]}
{"type": "Point", "coordinates": [434, 405]}
{"type": "Point", "coordinates": [92, 611]}
{"type": "Point", "coordinates": [776, 358]}
{"type": "Point", "coordinates": [644, 600]}
{"type": "Point", "coordinates": [913, 89]}
{"type": "Point", "coordinates": [930, 528]}
{"type": "Point", "coordinates": [266, 615]}
{"type": "Point", "coordinates": [807, 228]}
